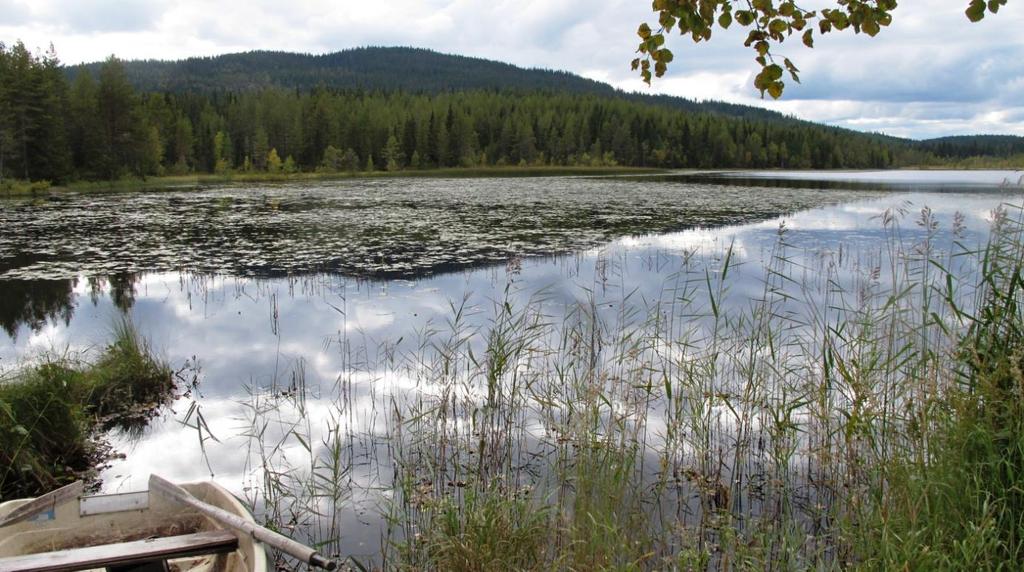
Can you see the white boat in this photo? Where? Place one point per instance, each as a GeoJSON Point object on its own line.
{"type": "Point", "coordinates": [195, 527]}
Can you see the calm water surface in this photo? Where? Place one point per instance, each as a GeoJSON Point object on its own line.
{"type": "Point", "coordinates": [339, 286]}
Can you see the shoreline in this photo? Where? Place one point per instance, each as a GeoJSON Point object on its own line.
{"type": "Point", "coordinates": [17, 188]}
{"type": "Point", "coordinates": [20, 188]}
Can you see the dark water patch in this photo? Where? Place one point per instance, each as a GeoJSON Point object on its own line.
{"type": "Point", "coordinates": [878, 181]}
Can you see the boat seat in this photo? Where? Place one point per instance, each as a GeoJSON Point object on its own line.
{"type": "Point", "coordinates": [123, 555]}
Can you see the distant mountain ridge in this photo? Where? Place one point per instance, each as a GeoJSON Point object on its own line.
{"type": "Point", "coordinates": [369, 68]}
{"type": "Point", "coordinates": [975, 145]}
{"type": "Point", "coordinates": [418, 70]}
{"type": "Point", "coordinates": [414, 70]}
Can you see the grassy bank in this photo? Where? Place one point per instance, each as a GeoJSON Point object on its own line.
{"type": "Point", "coordinates": [53, 415]}
{"type": "Point", "coordinates": [13, 187]}
{"type": "Point", "coordinates": [16, 188]}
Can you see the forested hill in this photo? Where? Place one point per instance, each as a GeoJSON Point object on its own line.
{"type": "Point", "coordinates": [412, 70]}
{"type": "Point", "coordinates": [100, 125]}
{"type": "Point", "coordinates": [962, 146]}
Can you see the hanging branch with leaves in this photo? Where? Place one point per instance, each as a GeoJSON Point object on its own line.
{"type": "Point", "coordinates": [771, 23]}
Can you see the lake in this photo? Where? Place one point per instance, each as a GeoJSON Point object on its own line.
{"type": "Point", "coordinates": [326, 324]}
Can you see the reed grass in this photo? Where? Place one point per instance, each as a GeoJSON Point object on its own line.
{"type": "Point", "coordinates": [857, 409]}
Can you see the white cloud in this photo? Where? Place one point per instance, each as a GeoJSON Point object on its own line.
{"type": "Point", "coordinates": [931, 73]}
{"type": "Point", "coordinates": [14, 12]}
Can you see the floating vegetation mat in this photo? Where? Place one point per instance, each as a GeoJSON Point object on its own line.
{"type": "Point", "coordinates": [367, 228]}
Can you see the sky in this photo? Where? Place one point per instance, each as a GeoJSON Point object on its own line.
{"type": "Point", "coordinates": [931, 73]}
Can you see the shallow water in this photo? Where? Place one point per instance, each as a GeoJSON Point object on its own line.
{"type": "Point", "coordinates": [266, 288]}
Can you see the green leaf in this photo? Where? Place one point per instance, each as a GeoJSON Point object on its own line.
{"type": "Point", "coordinates": [789, 65]}
{"type": "Point", "coordinates": [976, 11]}
{"type": "Point", "coordinates": [725, 20]}
{"type": "Point", "coordinates": [838, 19]}
{"type": "Point", "coordinates": [644, 31]}
{"type": "Point", "coordinates": [809, 38]}
{"type": "Point", "coordinates": [761, 81]}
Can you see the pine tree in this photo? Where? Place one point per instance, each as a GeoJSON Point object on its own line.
{"type": "Point", "coordinates": [332, 160]}
{"type": "Point", "coordinates": [223, 152]}
{"type": "Point", "coordinates": [182, 151]}
{"type": "Point", "coordinates": [289, 166]}
{"type": "Point", "coordinates": [260, 149]}
{"type": "Point", "coordinates": [116, 105]}
{"type": "Point", "coordinates": [392, 154]}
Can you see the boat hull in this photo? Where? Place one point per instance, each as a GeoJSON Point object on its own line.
{"type": "Point", "coordinates": [108, 519]}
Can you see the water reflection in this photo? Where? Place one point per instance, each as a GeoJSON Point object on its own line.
{"type": "Point", "coordinates": [32, 304]}
{"type": "Point", "coordinates": [892, 181]}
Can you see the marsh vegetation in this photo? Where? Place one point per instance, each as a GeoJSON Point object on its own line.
{"type": "Point", "coordinates": [862, 411]}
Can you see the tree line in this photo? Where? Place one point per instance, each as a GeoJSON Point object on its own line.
{"type": "Point", "coordinates": [103, 128]}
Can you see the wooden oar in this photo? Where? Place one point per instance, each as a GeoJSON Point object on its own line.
{"type": "Point", "coordinates": [283, 543]}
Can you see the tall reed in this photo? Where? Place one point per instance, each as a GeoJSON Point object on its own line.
{"type": "Point", "coordinates": [824, 409]}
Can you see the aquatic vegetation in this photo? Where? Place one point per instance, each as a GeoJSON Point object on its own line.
{"type": "Point", "coordinates": [379, 228]}
{"type": "Point", "coordinates": [842, 413]}
{"type": "Point", "coordinates": [958, 502]}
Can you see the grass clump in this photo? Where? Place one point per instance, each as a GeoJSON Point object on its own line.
{"type": "Point", "coordinates": [960, 503]}
{"type": "Point", "coordinates": [19, 187]}
{"type": "Point", "coordinates": [494, 529]}
{"type": "Point", "coordinates": [53, 415]}
{"type": "Point", "coordinates": [127, 384]}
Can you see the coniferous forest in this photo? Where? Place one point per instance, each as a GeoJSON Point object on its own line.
{"type": "Point", "coordinates": [99, 126]}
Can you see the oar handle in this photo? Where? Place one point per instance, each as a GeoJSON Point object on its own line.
{"type": "Point", "coordinates": [282, 543]}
